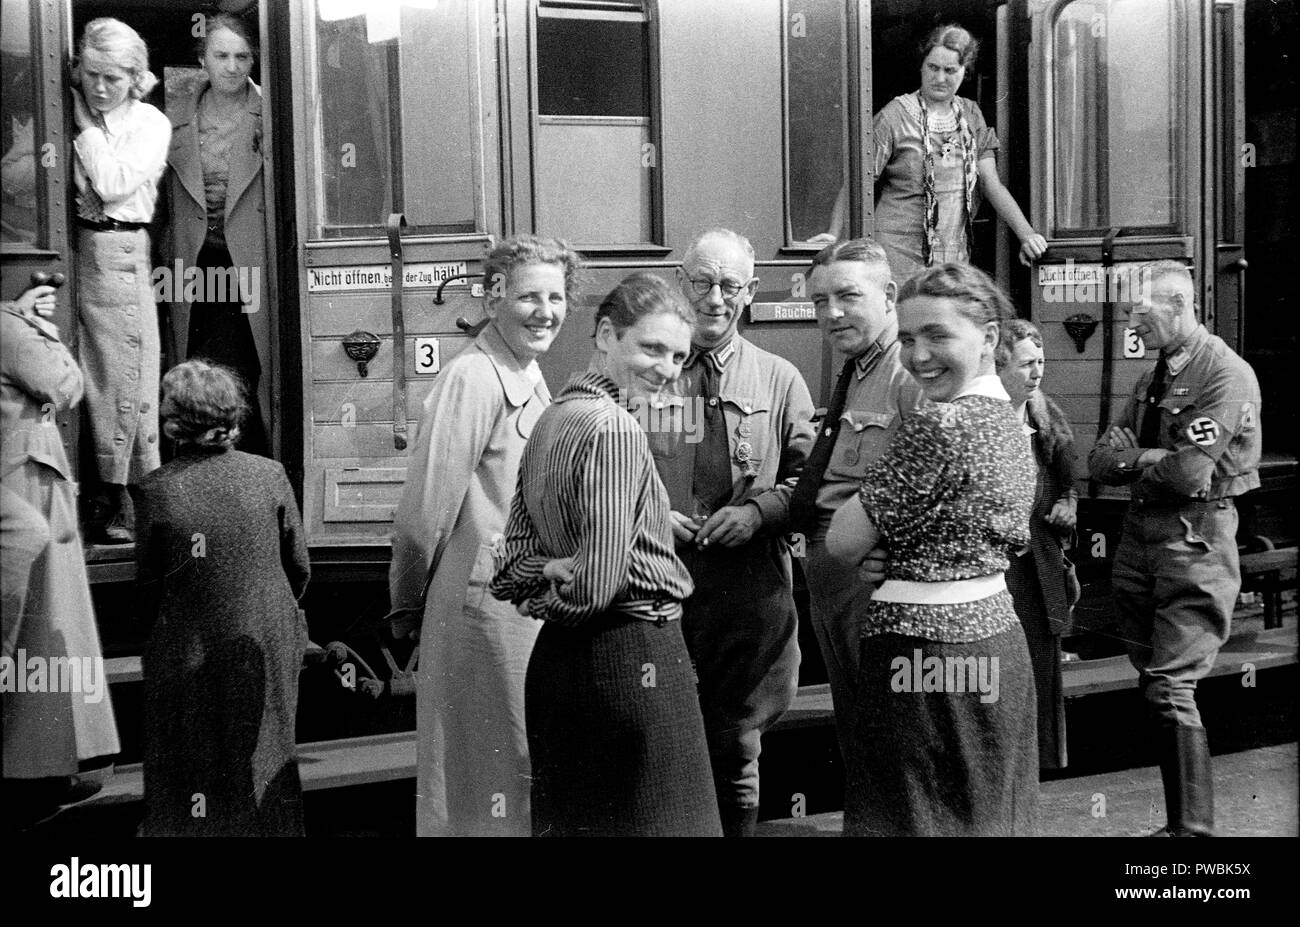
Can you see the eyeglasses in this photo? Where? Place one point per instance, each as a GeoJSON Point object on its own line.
{"type": "Point", "coordinates": [729, 288]}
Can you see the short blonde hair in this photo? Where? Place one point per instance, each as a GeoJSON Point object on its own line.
{"type": "Point", "coordinates": [124, 47]}
{"type": "Point", "coordinates": [203, 403]}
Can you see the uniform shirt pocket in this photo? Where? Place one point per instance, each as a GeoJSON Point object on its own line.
{"type": "Point", "coordinates": [863, 436]}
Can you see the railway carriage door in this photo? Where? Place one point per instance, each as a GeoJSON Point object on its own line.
{"type": "Point", "coordinates": [34, 212]}
{"type": "Point", "coordinates": [396, 114]}
{"type": "Point", "coordinates": [1121, 168]}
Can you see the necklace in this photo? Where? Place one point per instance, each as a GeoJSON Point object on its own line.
{"type": "Point", "coordinates": [943, 123]}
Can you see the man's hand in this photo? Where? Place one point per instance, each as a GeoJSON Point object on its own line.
{"type": "Point", "coordinates": [683, 528]}
{"type": "Point", "coordinates": [1121, 439]}
{"type": "Point", "coordinates": [872, 568]}
{"type": "Point", "coordinates": [1063, 514]}
{"type": "Point", "coordinates": [38, 300]}
{"type": "Point", "coordinates": [730, 526]}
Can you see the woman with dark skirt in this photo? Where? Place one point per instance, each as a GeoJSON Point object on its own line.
{"type": "Point", "coordinates": [1042, 581]}
{"type": "Point", "coordinates": [944, 738]}
{"type": "Point", "coordinates": [215, 241]}
{"type": "Point", "coordinates": [614, 726]}
{"type": "Point", "coordinates": [221, 562]}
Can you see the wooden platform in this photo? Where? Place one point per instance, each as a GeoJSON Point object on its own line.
{"type": "Point", "coordinates": [386, 757]}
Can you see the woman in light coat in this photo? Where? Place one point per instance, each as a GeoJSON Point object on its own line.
{"type": "Point", "coordinates": [473, 775]}
{"type": "Point", "coordinates": [48, 615]}
{"type": "Point", "coordinates": [216, 216]}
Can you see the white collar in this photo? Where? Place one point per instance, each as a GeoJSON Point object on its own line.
{"type": "Point", "coordinates": [117, 119]}
{"type": "Point", "coordinates": [988, 385]}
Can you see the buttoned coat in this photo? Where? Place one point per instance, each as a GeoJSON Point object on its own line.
{"type": "Point", "coordinates": [187, 212]}
{"type": "Point", "coordinates": [471, 746]}
{"type": "Point", "coordinates": [46, 733]}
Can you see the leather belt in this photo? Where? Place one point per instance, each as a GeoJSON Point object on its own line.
{"type": "Point", "coordinates": [111, 225]}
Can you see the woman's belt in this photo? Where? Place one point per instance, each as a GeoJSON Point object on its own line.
{"type": "Point", "coordinates": [111, 225]}
{"type": "Point", "coordinates": [947, 592]}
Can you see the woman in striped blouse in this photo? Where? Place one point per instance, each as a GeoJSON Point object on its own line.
{"type": "Point", "coordinates": [614, 725]}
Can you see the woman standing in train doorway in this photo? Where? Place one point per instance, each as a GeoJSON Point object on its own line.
{"type": "Point", "coordinates": [120, 153]}
{"type": "Point", "coordinates": [217, 218]}
{"type": "Point", "coordinates": [935, 155]}
{"type": "Point", "coordinates": [473, 774]}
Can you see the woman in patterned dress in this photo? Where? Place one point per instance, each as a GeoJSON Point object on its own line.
{"type": "Point", "coordinates": [935, 156]}
{"type": "Point", "coordinates": [944, 736]}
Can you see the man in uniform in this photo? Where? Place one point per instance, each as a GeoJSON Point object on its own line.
{"type": "Point", "coordinates": [729, 485]}
{"type": "Point", "coordinates": [853, 294]}
{"type": "Point", "coordinates": [1187, 442]}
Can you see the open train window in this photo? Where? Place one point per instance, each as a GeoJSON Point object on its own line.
{"type": "Point", "coordinates": [1117, 107]}
{"type": "Point", "coordinates": [21, 220]}
{"type": "Point", "coordinates": [397, 121]}
{"type": "Point", "coordinates": [816, 116]}
{"type": "Point", "coordinates": [596, 152]}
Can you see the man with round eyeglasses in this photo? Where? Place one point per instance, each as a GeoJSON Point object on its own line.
{"type": "Point", "coordinates": [745, 431]}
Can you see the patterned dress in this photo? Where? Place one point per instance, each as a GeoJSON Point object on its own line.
{"type": "Point", "coordinates": [900, 167]}
{"type": "Point", "coordinates": [944, 738]}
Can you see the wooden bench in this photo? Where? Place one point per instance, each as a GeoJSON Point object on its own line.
{"type": "Point", "coordinates": [1269, 572]}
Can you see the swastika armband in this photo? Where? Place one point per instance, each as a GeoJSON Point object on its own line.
{"type": "Point", "coordinates": [1205, 433]}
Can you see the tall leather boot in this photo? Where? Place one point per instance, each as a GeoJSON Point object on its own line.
{"type": "Point", "coordinates": [737, 821]}
{"type": "Point", "coordinates": [1188, 776]}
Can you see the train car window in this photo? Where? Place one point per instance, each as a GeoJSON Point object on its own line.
{"type": "Point", "coordinates": [1117, 79]}
{"type": "Point", "coordinates": [396, 128]}
{"type": "Point", "coordinates": [595, 150]}
{"type": "Point", "coordinates": [20, 219]}
{"type": "Point", "coordinates": [816, 114]}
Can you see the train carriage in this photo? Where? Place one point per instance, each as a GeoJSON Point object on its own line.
{"type": "Point", "coordinates": [402, 139]}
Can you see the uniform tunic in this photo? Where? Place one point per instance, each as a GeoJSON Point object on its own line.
{"type": "Point", "coordinates": [1176, 572]}
{"type": "Point", "coordinates": [614, 724]}
{"type": "Point", "coordinates": [221, 562]}
{"type": "Point", "coordinates": [48, 614]}
{"type": "Point", "coordinates": [900, 169]}
{"type": "Point", "coordinates": [471, 745]}
{"type": "Point", "coordinates": [952, 754]}
{"type": "Point", "coordinates": [741, 625]}
{"type": "Point", "coordinates": [880, 394]}
{"type": "Point", "coordinates": [117, 173]}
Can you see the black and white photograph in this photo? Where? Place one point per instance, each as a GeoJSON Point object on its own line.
{"type": "Point", "coordinates": [649, 418]}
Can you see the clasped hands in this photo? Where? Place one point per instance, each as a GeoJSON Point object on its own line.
{"type": "Point", "coordinates": [729, 526]}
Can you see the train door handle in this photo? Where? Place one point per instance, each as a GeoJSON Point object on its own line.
{"type": "Point", "coordinates": [394, 228]}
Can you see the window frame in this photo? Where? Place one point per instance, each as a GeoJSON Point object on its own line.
{"type": "Point", "coordinates": [1182, 216]}
{"type": "Point", "coordinates": [646, 11]}
{"type": "Point", "coordinates": [794, 245]}
{"type": "Point", "coordinates": [48, 22]}
{"type": "Point", "coordinates": [481, 42]}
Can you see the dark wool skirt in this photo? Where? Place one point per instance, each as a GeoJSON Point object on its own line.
{"type": "Point", "coordinates": [1045, 655]}
{"type": "Point", "coordinates": [615, 733]}
{"type": "Point", "coordinates": [943, 763]}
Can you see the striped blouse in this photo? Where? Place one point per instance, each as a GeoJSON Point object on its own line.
{"type": "Point", "coordinates": [588, 490]}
